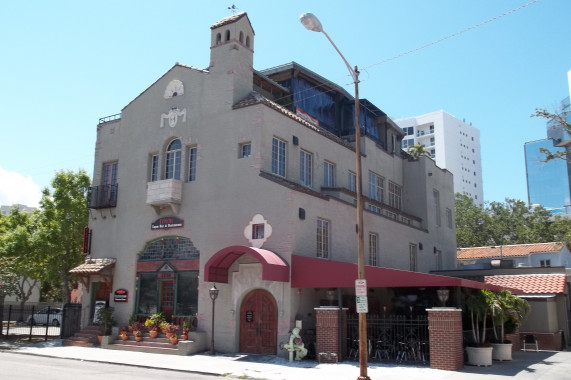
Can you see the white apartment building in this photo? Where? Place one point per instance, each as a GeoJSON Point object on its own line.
{"type": "Point", "coordinates": [453, 144]}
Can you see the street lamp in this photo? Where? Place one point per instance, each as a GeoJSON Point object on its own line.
{"type": "Point", "coordinates": [311, 22]}
{"type": "Point", "coordinates": [213, 295]}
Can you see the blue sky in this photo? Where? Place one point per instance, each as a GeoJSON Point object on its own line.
{"type": "Point", "coordinates": [65, 64]}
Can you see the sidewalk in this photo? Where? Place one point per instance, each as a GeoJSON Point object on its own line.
{"type": "Point", "coordinates": [552, 365]}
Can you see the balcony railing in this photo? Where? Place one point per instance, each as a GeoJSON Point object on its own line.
{"type": "Point", "coordinates": [102, 196]}
{"type": "Point", "coordinates": [423, 133]}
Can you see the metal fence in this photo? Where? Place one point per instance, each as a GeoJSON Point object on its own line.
{"type": "Point", "coordinates": [32, 321]}
{"type": "Point", "coordinates": [398, 338]}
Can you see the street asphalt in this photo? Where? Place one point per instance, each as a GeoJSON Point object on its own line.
{"type": "Point", "coordinates": [530, 365]}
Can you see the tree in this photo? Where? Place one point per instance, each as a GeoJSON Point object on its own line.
{"type": "Point", "coordinates": [20, 244]}
{"type": "Point", "coordinates": [418, 150]}
{"type": "Point", "coordinates": [8, 285]}
{"type": "Point", "coordinates": [502, 223]}
{"type": "Point", "coordinates": [559, 119]}
{"type": "Point", "coordinates": [64, 215]}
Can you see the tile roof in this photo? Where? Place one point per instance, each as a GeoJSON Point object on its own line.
{"type": "Point", "coordinates": [228, 20]}
{"type": "Point", "coordinates": [93, 266]}
{"type": "Point", "coordinates": [532, 283]}
{"type": "Point", "coordinates": [517, 250]}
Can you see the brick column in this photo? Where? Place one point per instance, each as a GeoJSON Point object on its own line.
{"type": "Point", "coordinates": [328, 349]}
{"type": "Point", "coordinates": [445, 338]}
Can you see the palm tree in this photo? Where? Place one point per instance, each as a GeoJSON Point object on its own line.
{"type": "Point", "coordinates": [506, 306]}
{"type": "Point", "coordinates": [476, 303]}
{"type": "Point", "coordinates": [418, 150]}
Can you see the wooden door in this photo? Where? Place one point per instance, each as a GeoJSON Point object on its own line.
{"type": "Point", "coordinates": [258, 323]}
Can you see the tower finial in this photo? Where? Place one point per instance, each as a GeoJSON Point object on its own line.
{"type": "Point", "coordinates": [233, 8]}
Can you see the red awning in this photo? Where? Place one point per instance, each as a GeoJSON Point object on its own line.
{"type": "Point", "coordinates": [274, 268]}
{"type": "Point", "coordinates": [311, 272]}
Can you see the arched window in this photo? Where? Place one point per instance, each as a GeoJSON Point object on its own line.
{"type": "Point", "coordinates": [218, 39]}
{"type": "Point", "coordinates": [248, 41]}
{"type": "Point", "coordinates": [241, 38]}
{"type": "Point", "coordinates": [174, 152]}
{"type": "Point", "coordinates": [227, 36]}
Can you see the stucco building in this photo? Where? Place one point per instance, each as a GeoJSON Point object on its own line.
{"type": "Point", "coordinates": [233, 176]}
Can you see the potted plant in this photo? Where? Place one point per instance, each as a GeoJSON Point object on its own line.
{"type": "Point", "coordinates": [171, 330]}
{"type": "Point", "coordinates": [105, 321]}
{"type": "Point", "coordinates": [173, 339]}
{"type": "Point", "coordinates": [163, 326]}
{"type": "Point", "coordinates": [132, 319]}
{"type": "Point", "coordinates": [186, 326]}
{"type": "Point", "coordinates": [476, 304]}
{"type": "Point", "coordinates": [507, 310]}
{"type": "Point", "coordinates": [152, 327]}
{"type": "Point", "coordinates": [138, 335]}
{"type": "Point", "coordinates": [124, 333]}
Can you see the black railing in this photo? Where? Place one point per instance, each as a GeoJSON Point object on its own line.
{"type": "Point", "coordinates": [102, 196]}
{"type": "Point", "coordinates": [398, 338]}
{"type": "Point", "coordinates": [107, 119]}
{"type": "Point", "coordinates": [32, 321]}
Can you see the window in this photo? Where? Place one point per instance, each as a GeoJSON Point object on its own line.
{"type": "Point", "coordinates": [258, 231]}
{"type": "Point", "coordinates": [322, 238]}
{"type": "Point", "coordinates": [376, 186]}
{"type": "Point", "coordinates": [395, 195]}
{"type": "Point", "coordinates": [173, 160]}
{"type": "Point", "coordinates": [373, 243]}
{"type": "Point", "coordinates": [352, 182]}
{"type": "Point", "coordinates": [545, 263]}
{"type": "Point", "coordinates": [448, 218]}
{"type": "Point", "coordinates": [278, 157]}
{"type": "Point", "coordinates": [192, 164]}
{"type": "Point", "coordinates": [438, 258]}
{"type": "Point", "coordinates": [436, 201]}
{"type": "Point", "coordinates": [154, 167]}
{"type": "Point", "coordinates": [245, 150]}
{"type": "Point", "coordinates": [110, 181]}
{"type": "Point", "coordinates": [147, 293]}
{"type": "Point", "coordinates": [328, 174]}
{"type": "Point", "coordinates": [305, 168]}
{"type": "Point", "coordinates": [413, 257]}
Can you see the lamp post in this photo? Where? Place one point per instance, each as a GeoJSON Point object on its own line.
{"type": "Point", "coordinates": [311, 22]}
{"type": "Point", "coordinates": [213, 295]}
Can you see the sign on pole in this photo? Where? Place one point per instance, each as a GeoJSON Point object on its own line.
{"type": "Point", "coordinates": [361, 288]}
{"type": "Point", "coordinates": [362, 304]}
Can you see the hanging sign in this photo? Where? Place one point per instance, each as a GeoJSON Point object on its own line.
{"type": "Point", "coordinates": [362, 305]}
{"type": "Point", "coordinates": [167, 223]}
{"type": "Point", "coordinates": [121, 295]}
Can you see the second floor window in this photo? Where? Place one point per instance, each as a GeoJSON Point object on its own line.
{"type": "Point", "coordinates": [413, 257]}
{"type": "Point", "coordinates": [352, 182]}
{"type": "Point", "coordinates": [373, 243]}
{"type": "Point", "coordinates": [192, 164]}
{"type": "Point", "coordinates": [278, 157]}
{"type": "Point", "coordinates": [436, 200]}
{"type": "Point", "coordinates": [328, 174]}
{"type": "Point", "coordinates": [305, 159]}
{"type": "Point", "coordinates": [322, 238]}
{"type": "Point", "coordinates": [154, 167]}
{"type": "Point", "coordinates": [258, 231]}
{"type": "Point", "coordinates": [376, 187]}
{"type": "Point", "coordinates": [110, 180]}
{"type": "Point", "coordinates": [395, 195]}
{"type": "Point", "coordinates": [174, 153]}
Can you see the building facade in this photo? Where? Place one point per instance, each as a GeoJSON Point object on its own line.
{"type": "Point", "coordinates": [233, 177]}
{"type": "Point", "coordinates": [549, 183]}
{"type": "Point", "coordinates": [453, 143]}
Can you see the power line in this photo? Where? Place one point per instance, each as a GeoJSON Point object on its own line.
{"type": "Point", "coordinates": [453, 34]}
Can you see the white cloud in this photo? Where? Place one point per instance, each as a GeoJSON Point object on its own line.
{"type": "Point", "coordinates": [15, 188]}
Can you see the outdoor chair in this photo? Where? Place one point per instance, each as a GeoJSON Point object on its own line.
{"type": "Point", "coordinates": [530, 340]}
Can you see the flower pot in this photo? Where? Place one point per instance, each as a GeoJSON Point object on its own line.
{"type": "Point", "coordinates": [174, 340]}
{"type": "Point", "coordinates": [479, 356]}
{"type": "Point", "coordinates": [124, 337]}
{"type": "Point", "coordinates": [502, 351]}
{"type": "Point", "coordinates": [138, 338]}
{"type": "Point", "coordinates": [153, 333]}
{"type": "Point", "coordinates": [184, 337]}
{"type": "Point", "coordinates": [169, 335]}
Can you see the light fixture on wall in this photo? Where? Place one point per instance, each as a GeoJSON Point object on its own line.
{"type": "Point", "coordinates": [443, 295]}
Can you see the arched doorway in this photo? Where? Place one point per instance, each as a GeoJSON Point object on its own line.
{"type": "Point", "coordinates": [258, 323]}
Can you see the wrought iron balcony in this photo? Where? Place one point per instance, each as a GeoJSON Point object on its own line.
{"type": "Point", "coordinates": [102, 196]}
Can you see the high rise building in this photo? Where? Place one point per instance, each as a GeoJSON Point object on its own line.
{"type": "Point", "coordinates": [453, 144]}
{"type": "Point", "coordinates": [549, 182]}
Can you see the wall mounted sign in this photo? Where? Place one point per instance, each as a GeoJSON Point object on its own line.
{"type": "Point", "coordinates": [121, 295]}
{"type": "Point", "coordinates": [167, 223]}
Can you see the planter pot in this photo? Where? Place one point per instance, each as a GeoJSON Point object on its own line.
{"type": "Point", "coordinates": [184, 337]}
{"type": "Point", "coordinates": [99, 337]}
{"type": "Point", "coordinates": [138, 338]}
{"type": "Point", "coordinates": [124, 337]}
{"type": "Point", "coordinates": [153, 333]}
{"type": "Point", "coordinates": [502, 351]}
{"type": "Point", "coordinates": [479, 356]}
{"type": "Point", "coordinates": [174, 340]}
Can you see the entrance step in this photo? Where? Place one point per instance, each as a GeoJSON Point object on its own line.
{"type": "Point", "coordinates": [87, 337]}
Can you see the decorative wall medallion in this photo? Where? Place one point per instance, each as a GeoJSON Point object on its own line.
{"type": "Point", "coordinates": [258, 231]}
{"type": "Point", "coordinates": [172, 116]}
{"type": "Point", "coordinates": [174, 88]}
